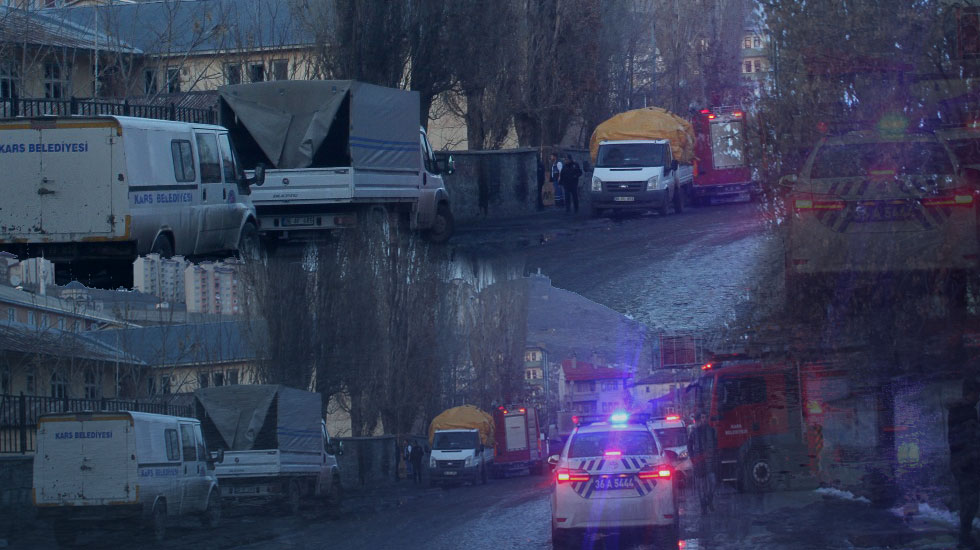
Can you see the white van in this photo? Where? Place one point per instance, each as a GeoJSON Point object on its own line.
{"type": "Point", "coordinates": [99, 188]}
{"type": "Point", "coordinates": [119, 466]}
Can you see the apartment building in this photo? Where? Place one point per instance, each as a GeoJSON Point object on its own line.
{"type": "Point", "coordinates": [214, 287]}
{"type": "Point", "coordinates": [588, 388]}
{"type": "Point", "coordinates": [161, 277]}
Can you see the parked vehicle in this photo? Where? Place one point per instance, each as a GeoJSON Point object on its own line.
{"type": "Point", "coordinates": [339, 153]}
{"type": "Point", "coordinates": [672, 432]}
{"type": "Point", "coordinates": [462, 441]}
{"type": "Point", "coordinates": [614, 476]}
{"type": "Point", "coordinates": [964, 143]}
{"type": "Point", "coordinates": [114, 187]}
{"type": "Point", "coordinates": [517, 440]}
{"type": "Point", "coordinates": [868, 203]}
{"type": "Point", "coordinates": [642, 162]}
{"type": "Point", "coordinates": [122, 468]}
{"type": "Point", "coordinates": [275, 443]}
{"type": "Point", "coordinates": [722, 172]}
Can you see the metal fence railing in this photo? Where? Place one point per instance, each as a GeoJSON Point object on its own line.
{"type": "Point", "coordinates": [19, 415]}
{"type": "Point", "coordinates": [12, 107]}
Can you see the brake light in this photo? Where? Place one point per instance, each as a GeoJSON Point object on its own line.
{"type": "Point", "coordinates": [613, 453]}
{"type": "Point", "coordinates": [961, 198]}
{"type": "Point", "coordinates": [711, 117]}
{"type": "Point", "coordinates": [661, 471]}
{"type": "Point", "coordinates": [564, 475]}
{"type": "Point", "coordinates": [673, 417]}
{"type": "Point", "coordinates": [505, 411]}
{"type": "Point", "coordinates": [522, 410]}
{"type": "Point", "coordinates": [705, 111]}
{"type": "Point", "coordinates": [807, 204]}
{"type": "Point", "coordinates": [574, 420]}
{"type": "Point", "coordinates": [706, 366]}
{"type": "Point", "coordinates": [738, 114]}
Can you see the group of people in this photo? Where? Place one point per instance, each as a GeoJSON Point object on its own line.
{"type": "Point", "coordinates": [412, 455]}
{"type": "Point", "coordinates": [565, 174]}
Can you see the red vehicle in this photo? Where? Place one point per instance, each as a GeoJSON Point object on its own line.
{"type": "Point", "coordinates": [517, 440]}
{"type": "Point", "coordinates": [771, 418]}
{"type": "Point", "coordinates": [721, 171]}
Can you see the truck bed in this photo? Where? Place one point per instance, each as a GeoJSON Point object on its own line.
{"type": "Point", "coordinates": [338, 184]}
{"type": "Point", "coordinates": [267, 463]}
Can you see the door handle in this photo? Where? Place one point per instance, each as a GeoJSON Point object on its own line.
{"type": "Point", "coordinates": [204, 194]}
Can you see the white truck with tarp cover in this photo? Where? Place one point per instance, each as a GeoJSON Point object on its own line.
{"type": "Point", "coordinates": [96, 468]}
{"type": "Point", "coordinates": [274, 440]}
{"type": "Point", "coordinates": [336, 151]}
{"type": "Point", "coordinates": [115, 187]}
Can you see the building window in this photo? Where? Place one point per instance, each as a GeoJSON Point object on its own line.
{"type": "Point", "coordinates": [610, 385]}
{"type": "Point", "coordinates": [8, 80]}
{"type": "Point", "coordinates": [758, 65]}
{"type": "Point", "coordinates": [11, 314]}
{"type": "Point", "coordinates": [608, 407]}
{"type": "Point", "coordinates": [747, 43]}
{"type": "Point", "coordinates": [233, 377]}
{"type": "Point", "coordinates": [165, 384]}
{"type": "Point", "coordinates": [44, 320]}
{"type": "Point", "coordinates": [173, 80]}
{"type": "Point", "coordinates": [31, 318]}
{"type": "Point", "coordinates": [30, 386]}
{"type": "Point", "coordinates": [203, 380]}
{"type": "Point", "coordinates": [218, 378]}
{"type": "Point", "coordinates": [59, 385]}
{"type": "Point", "coordinates": [233, 73]}
{"type": "Point", "coordinates": [256, 72]}
{"type": "Point", "coordinates": [747, 67]}
{"type": "Point", "coordinates": [77, 326]}
{"type": "Point", "coordinates": [4, 379]}
{"type": "Point", "coordinates": [151, 385]}
{"type": "Point", "coordinates": [61, 323]}
{"type": "Point", "coordinates": [93, 389]}
{"type": "Point", "coordinates": [149, 82]}
{"type": "Point", "coordinates": [756, 42]}
{"type": "Point", "coordinates": [280, 69]}
{"type": "Point", "coordinates": [55, 80]}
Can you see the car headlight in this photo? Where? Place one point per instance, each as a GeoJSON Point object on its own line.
{"type": "Point", "coordinates": [683, 455]}
{"type": "Point", "coordinates": [432, 462]}
{"type": "Point", "coordinates": [469, 461]}
{"type": "Point", "coordinates": [653, 183]}
{"type": "Point", "coordinates": [596, 184]}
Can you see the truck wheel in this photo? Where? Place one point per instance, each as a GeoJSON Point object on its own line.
{"type": "Point", "coordinates": [595, 212]}
{"type": "Point", "coordinates": [336, 496]}
{"type": "Point", "coordinates": [679, 201]}
{"type": "Point", "coordinates": [293, 497]}
{"type": "Point", "coordinates": [483, 475]}
{"type": "Point", "coordinates": [212, 514]}
{"type": "Point", "coordinates": [159, 521]}
{"type": "Point", "coordinates": [249, 244]}
{"type": "Point", "coordinates": [758, 471]}
{"type": "Point", "coordinates": [442, 226]}
{"type": "Point", "coordinates": [163, 247]}
{"type": "Point", "coordinates": [65, 534]}
{"type": "Point", "coordinates": [664, 209]}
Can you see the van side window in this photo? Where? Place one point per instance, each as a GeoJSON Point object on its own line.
{"type": "Point", "coordinates": [173, 445]}
{"type": "Point", "coordinates": [183, 160]}
{"type": "Point", "coordinates": [207, 149]}
{"type": "Point", "coordinates": [202, 453]}
{"type": "Point", "coordinates": [227, 159]}
{"type": "Point", "coordinates": [187, 442]}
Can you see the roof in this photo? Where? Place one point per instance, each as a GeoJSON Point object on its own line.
{"type": "Point", "coordinates": [588, 371]}
{"type": "Point", "coordinates": [49, 28]}
{"type": "Point", "coordinates": [195, 26]}
{"type": "Point", "coordinates": [187, 344]}
{"type": "Point", "coordinates": [12, 296]}
{"type": "Point", "coordinates": [23, 338]}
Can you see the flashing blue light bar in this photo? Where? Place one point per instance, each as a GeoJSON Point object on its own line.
{"type": "Point", "coordinates": [619, 418]}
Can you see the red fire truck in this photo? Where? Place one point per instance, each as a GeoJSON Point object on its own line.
{"type": "Point", "coordinates": [721, 171]}
{"type": "Point", "coordinates": [772, 418]}
{"type": "Point", "coordinates": [518, 440]}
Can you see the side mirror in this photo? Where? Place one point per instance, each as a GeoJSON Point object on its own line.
{"type": "Point", "coordinates": [338, 448]}
{"type": "Point", "coordinates": [671, 456]}
{"type": "Point", "coordinates": [217, 457]}
{"type": "Point", "coordinates": [673, 165]}
{"type": "Point", "coordinates": [259, 178]}
{"type": "Point", "coordinates": [788, 180]}
{"type": "Point", "coordinates": [482, 447]}
{"type": "Point", "coordinates": [448, 166]}
{"type": "Point", "coordinates": [553, 459]}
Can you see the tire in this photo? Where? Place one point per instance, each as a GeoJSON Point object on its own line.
{"type": "Point", "coordinates": [442, 225]}
{"type": "Point", "coordinates": [336, 496]}
{"type": "Point", "coordinates": [162, 246]}
{"type": "Point", "coordinates": [249, 244]}
{"type": "Point", "coordinates": [158, 521]}
{"type": "Point", "coordinates": [666, 537]}
{"type": "Point", "coordinates": [293, 499]}
{"type": "Point", "coordinates": [65, 534]}
{"type": "Point", "coordinates": [483, 475]}
{"type": "Point", "coordinates": [757, 471]}
{"type": "Point", "coordinates": [678, 201]}
{"type": "Point", "coordinates": [559, 540]}
{"type": "Point", "coordinates": [211, 517]}
{"type": "Point", "coordinates": [664, 209]}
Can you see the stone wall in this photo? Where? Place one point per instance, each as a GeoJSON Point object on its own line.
{"type": "Point", "coordinates": [501, 184]}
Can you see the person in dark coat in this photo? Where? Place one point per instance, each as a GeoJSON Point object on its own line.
{"type": "Point", "coordinates": [570, 174]}
{"type": "Point", "coordinates": [963, 431]}
{"type": "Point", "coordinates": [702, 446]}
{"type": "Point", "coordinates": [416, 458]}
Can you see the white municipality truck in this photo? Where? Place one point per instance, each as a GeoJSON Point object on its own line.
{"type": "Point", "coordinates": [274, 441]}
{"type": "Point", "coordinates": [336, 151]}
{"type": "Point", "coordinates": [114, 187]}
{"type": "Point", "coordinates": [462, 441]}
{"type": "Point", "coordinates": [122, 468]}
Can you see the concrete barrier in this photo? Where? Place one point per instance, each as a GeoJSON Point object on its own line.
{"type": "Point", "coordinates": [368, 461]}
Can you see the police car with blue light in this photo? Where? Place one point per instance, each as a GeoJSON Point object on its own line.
{"type": "Point", "coordinates": [613, 476]}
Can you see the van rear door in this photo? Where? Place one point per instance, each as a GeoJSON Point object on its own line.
{"type": "Point", "coordinates": [75, 185]}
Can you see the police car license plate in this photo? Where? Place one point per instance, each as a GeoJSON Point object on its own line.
{"type": "Point", "coordinates": [624, 199]}
{"type": "Point", "coordinates": [297, 220]}
{"type": "Point", "coordinates": [449, 473]}
{"type": "Point", "coordinates": [611, 483]}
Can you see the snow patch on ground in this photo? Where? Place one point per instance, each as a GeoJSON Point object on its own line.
{"type": "Point", "coordinates": [928, 512]}
{"type": "Point", "coordinates": [837, 493]}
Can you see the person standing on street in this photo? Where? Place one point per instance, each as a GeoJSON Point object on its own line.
{"type": "Point", "coordinates": [408, 458]}
{"type": "Point", "coordinates": [702, 445]}
{"type": "Point", "coordinates": [570, 174]}
{"type": "Point", "coordinates": [963, 431]}
{"type": "Point", "coordinates": [416, 458]}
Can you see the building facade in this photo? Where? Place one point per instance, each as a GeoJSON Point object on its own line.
{"type": "Point", "coordinates": [587, 388]}
{"type": "Point", "coordinates": [214, 287]}
{"type": "Point", "coordinates": [161, 277]}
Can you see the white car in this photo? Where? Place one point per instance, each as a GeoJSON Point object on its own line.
{"type": "Point", "coordinates": [671, 432]}
{"type": "Point", "coordinates": [613, 476]}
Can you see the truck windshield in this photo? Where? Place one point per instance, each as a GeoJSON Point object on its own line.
{"type": "Point", "coordinates": [447, 441]}
{"type": "Point", "coordinates": [631, 155]}
{"type": "Point", "coordinates": [627, 443]}
{"type": "Point", "coordinates": [671, 437]}
{"type": "Point", "coordinates": [858, 160]}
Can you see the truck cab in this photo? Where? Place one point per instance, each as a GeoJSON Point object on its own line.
{"type": "Point", "coordinates": [637, 175]}
{"type": "Point", "coordinates": [458, 456]}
